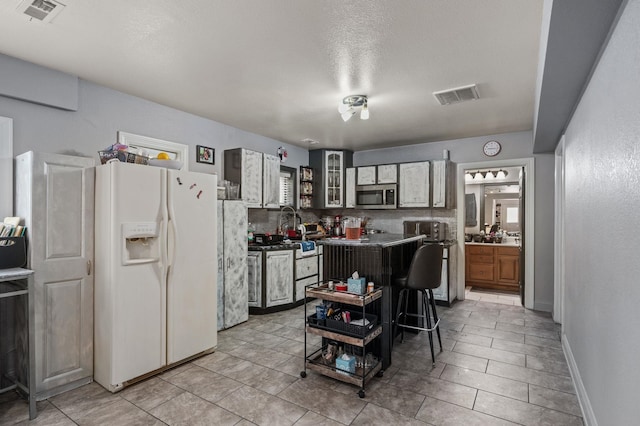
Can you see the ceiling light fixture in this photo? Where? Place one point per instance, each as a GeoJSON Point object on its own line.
{"type": "Point", "coordinates": [487, 174]}
{"type": "Point", "coordinates": [351, 104]}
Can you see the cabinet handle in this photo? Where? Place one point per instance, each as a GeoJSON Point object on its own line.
{"type": "Point", "coordinates": [88, 267]}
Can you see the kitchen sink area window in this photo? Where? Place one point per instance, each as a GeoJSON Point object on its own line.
{"type": "Point", "coordinates": [287, 186]}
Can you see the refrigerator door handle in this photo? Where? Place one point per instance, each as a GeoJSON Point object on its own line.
{"type": "Point", "coordinates": [171, 242]}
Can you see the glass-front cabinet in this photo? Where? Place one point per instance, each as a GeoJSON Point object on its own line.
{"type": "Point", "coordinates": [329, 167]}
{"type": "Point", "coordinates": [334, 176]}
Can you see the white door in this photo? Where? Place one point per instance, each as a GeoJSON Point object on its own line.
{"type": "Point", "coordinates": [192, 264]}
{"type": "Point", "coordinates": [236, 290]}
{"type": "Point", "coordinates": [55, 196]}
{"type": "Point", "coordinates": [130, 290]}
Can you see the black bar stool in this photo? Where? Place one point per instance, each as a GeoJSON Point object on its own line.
{"type": "Point", "coordinates": [423, 276]}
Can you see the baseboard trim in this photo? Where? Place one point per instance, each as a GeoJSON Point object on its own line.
{"type": "Point", "coordinates": [542, 306]}
{"type": "Point", "coordinates": [588, 415]}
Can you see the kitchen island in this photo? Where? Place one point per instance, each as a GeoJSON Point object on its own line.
{"type": "Point", "coordinates": [379, 258]}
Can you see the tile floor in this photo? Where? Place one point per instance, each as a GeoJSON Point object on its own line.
{"type": "Point", "coordinates": [501, 365]}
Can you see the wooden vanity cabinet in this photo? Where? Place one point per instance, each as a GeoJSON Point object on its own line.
{"type": "Point", "coordinates": [508, 266]}
{"type": "Point", "coordinates": [480, 264]}
{"type": "Point", "coordinates": [492, 266]}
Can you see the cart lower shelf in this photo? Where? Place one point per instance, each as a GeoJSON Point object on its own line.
{"type": "Point", "coordinates": [315, 363]}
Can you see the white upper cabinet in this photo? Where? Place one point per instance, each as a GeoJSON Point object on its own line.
{"type": "Point", "coordinates": [350, 188]}
{"type": "Point", "coordinates": [271, 183]}
{"type": "Point", "coordinates": [414, 185]}
{"type": "Point", "coordinates": [387, 173]}
{"type": "Point", "coordinates": [441, 184]}
{"type": "Point", "coordinates": [245, 167]}
{"type": "Point", "coordinates": [258, 175]}
{"type": "Point", "coordinates": [366, 175]}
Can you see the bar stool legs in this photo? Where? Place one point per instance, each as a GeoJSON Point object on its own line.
{"type": "Point", "coordinates": [428, 309]}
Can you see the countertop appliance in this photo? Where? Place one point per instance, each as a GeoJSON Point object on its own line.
{"type": "Point", "coordinates": [156, 270]}
{"type": "Point", "coordinates": [434, 231]}
{"type": "Point", "coordinates": [376, 196]}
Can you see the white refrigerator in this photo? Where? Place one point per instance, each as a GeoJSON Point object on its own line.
{"type": "Point", "coordinates": [155, 270]}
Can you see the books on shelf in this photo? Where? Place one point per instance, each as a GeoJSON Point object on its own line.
{"type": "Point", "coordinates": [11, 227]}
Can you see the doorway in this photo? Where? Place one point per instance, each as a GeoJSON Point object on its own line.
{"type": "Point", "coordinates": [527, 165]}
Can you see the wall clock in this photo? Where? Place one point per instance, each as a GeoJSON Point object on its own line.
{"type": "Point", "coordinates": [491, 148]}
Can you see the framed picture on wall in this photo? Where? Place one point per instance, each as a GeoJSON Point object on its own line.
{"type": "Point", "coordinates": [204, 154]}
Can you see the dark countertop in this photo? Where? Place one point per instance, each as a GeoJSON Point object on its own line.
{"type": "Point", "coordinates": [381, 240]}
{"type": "Point", "coordinates": [282, 246]}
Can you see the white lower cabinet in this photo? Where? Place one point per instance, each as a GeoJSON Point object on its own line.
{"type": "Point", "coordinates": [254, 263]}
{"type": "Point", "coordinates": [279, 277]}
{"type": "Point", "coordinates": [308, 270]}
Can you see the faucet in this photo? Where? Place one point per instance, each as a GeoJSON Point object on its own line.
{"type": "Point", "coordinates": [295, 215]}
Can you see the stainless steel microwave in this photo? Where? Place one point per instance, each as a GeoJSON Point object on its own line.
{"type": "Point", "coordinates": [376, 196]}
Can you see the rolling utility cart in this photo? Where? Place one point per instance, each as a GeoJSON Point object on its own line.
{"type": "Point", "coordinates": [358, 336]}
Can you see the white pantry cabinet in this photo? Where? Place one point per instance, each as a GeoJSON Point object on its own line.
{"type": "Point", "coordinates": [55, 196]}
{"type": "Point", "coordinates": [232, 266]}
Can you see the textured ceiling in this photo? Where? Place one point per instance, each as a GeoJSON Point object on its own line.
{"type": "Point", "coordinates": [279, 68]}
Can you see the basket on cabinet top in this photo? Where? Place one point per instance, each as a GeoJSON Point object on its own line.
{"type": "Point", "coordinates": [123, 156]}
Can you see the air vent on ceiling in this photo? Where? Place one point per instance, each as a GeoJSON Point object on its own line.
{"type": "Point", "coordinates": [42, 10]}
{"type": "Point", "coordinates": [459, 94]}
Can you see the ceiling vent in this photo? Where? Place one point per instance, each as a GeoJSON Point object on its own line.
{"type": "Point", "coordinates": [42, 10]}
{"type": "Point", "coordinates": [459, 94]}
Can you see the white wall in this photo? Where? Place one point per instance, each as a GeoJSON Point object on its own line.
{"type": "Point", "coordinates": [602, 194]}
{"type": "Point", "coordinates": [103, 111]}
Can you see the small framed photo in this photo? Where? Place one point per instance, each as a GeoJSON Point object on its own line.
{"type": "Point", "coordinates": [204, 154]}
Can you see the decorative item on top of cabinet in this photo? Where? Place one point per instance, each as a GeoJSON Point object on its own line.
{"type": "Point", "coordinates": [328, 185]}
{"type": "Point", "coordinates": [414, 184]}
{"type": "Point", "coordinates": [387, 173]}
{"type": "Point", "coordinates": [306, 187]}
{"type": "Point", "coordinates": [443, 184]}
{"type": "Point", "coordinates": [350, 188]}
{"type": "Point", "coordinates": [366, 175]}
{"type": "Point", "coordinates": [55, 195]}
